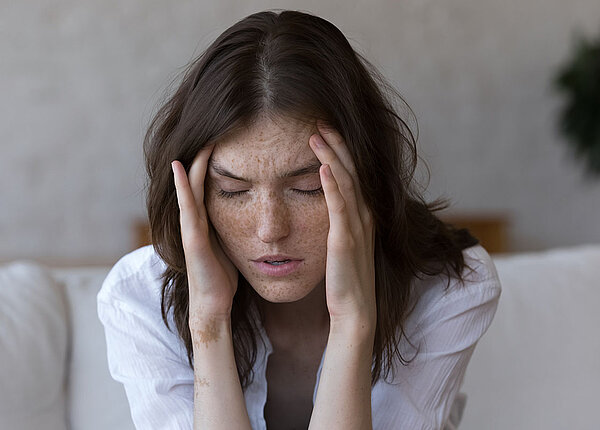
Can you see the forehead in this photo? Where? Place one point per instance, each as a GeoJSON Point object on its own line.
{"type": "Point", "coordinates": [266, 143]}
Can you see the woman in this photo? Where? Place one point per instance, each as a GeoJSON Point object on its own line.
{"type": "Point", "coordinates": [297, 279]}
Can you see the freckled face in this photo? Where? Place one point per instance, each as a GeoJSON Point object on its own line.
{"type": "Point", "coordinates": [266, 211]}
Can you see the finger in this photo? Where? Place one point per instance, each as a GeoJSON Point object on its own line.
{"type": "Point", "coordinates": [344, 181]}
{"type": "Point", "coordinates": [336, 207]}
{"type": "Point", "coordinates": [338, 145]}
{"type": "Point", "coordinates": [193, 228]}
{"type": "Point", "coordinates": [197, 178]}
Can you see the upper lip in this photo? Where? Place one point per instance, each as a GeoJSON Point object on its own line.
{"type": "Point", "coordinates": [276, 257]}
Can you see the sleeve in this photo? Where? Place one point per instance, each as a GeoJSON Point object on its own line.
{"type": "Point", "coordinates": [422, 393]}
{"type": "Point", "coordinates": [144, 356]}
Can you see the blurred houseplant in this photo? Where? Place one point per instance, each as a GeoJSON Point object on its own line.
{"type": "Point", "coordinates": [579, 80]}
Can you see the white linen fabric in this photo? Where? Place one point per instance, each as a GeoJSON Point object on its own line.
{"type": "Point", "coordinates": [151, 361]}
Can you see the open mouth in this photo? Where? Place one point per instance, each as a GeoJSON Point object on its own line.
{"type": "Point", "coordinates": [278, 267]}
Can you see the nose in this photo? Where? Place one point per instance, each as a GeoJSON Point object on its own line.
{"type": "Point", "coordinates": [273, 222]}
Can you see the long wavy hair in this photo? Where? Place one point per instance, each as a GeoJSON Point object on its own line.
{"type": "Point", "coordinates": [297, 65]}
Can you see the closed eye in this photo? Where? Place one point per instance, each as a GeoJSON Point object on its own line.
{"type": "Point", "coordinates": [229, 194]}
{"type": "Point", "coordinates": [316, 192]}
{"type": "Point", "coordinates": [232, 194]}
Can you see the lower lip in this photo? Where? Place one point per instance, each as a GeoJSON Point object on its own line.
{"type": "Point", "coordinates": [279, 270]}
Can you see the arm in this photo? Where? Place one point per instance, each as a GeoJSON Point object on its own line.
{"type": "Point", "coordinates": [344, 393]}
{"type": "Point", "coordinates": [161, 388]}
{"type": "Point", "coordinates": [212, 282]}
{"type": "Point", "coordinates": [218, 398]}
{"type": "Point", "coordinates": [343, 398]}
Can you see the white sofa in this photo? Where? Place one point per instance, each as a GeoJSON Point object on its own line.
{"type": "Point", "coordinates": [537, 367]}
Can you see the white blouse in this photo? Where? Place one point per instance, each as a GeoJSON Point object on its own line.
{"type": "Point", "coordinates": [152, 363]}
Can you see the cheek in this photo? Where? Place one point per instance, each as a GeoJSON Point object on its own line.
{"type": "Point", "coordinates": [313, 221]}
{"type": "Point", "coordinates": [312, 226]}
{"type": "Point", "coordinates": [230, 222]}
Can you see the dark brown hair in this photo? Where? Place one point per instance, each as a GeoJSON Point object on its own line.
{"type": "Point", "coordinates": [297, 65]}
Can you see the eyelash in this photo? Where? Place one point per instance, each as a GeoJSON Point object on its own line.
{"type": "Point", "coordinates": [232, 194]}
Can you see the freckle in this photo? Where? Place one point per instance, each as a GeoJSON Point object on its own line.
{"type": "Point", "coordinates": [209, 334]}
{"type": "Point", "coordinates": [202, 382]}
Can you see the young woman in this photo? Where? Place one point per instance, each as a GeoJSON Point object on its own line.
{"type": "Point", "coordinates": [296, 279]}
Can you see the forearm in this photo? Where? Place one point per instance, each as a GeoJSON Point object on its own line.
{"type": "Point", "coordinates": [218, 398]}
{"type": "Point", "coordinates": [344, 394]}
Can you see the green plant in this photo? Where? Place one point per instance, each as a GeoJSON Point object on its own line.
{"type": "Point", "coordinates": [579, 80]}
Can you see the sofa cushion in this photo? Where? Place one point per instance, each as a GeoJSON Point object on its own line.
{"type": "Point", "coordinates": [538, 365]}
{"type": "Point", "coordinates": [33, 341]}
{"type": "Point", "coordinates": [105, 406]}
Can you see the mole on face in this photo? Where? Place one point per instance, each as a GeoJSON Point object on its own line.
{"type": "Point", "coordinates": [258, 209]}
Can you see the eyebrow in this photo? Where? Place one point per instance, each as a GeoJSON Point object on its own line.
{"type": "Point", "coordinates": [311, 168]}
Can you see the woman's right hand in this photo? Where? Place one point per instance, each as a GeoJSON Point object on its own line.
{"type": "Point", "coordinates": [212, 277]}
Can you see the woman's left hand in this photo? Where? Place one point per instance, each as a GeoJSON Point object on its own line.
{"type": "Point", "coordinates": [350, 270]}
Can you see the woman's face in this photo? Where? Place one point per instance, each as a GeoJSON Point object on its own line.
{"type": "Point", "coordinates": [264, 198]}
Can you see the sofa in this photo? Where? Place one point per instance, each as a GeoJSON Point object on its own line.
{"type": "Point", "coordinates": [537, 367]}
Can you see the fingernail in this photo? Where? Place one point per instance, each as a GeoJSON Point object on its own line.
{"type": "Point", "coordinates": [173, 170]}
{"type": "Point", "coordinates": [318, 141]}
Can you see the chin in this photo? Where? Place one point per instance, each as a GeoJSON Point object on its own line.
{"type": "Point", "coordinates": [284, 292]}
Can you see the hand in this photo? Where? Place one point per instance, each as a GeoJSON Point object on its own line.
{"type": "Point", "coordinates": [350, 269]}
{"type": "Point", "coordinates": [212, 277]}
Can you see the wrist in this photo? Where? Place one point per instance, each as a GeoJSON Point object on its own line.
{"type": "Point", "coordinates": [207, 329]}
{"type": "Point", "coordinates": [200, 315]}
{"type": "Point", "coordinates": [355, 328]}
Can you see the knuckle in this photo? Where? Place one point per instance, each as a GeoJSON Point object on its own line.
{"type": "Point", "coordinates": [347, 184]}
{"type": "Point", "coordinates": [333, 134]}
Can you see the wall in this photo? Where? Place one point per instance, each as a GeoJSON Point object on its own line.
{"type": "Point", "coordinates": [80, 81]}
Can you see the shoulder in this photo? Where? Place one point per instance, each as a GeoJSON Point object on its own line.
{"type": "Point", "coordinates": [479, 285]}
{"type": "Point", "coordinates": [143, 352]}
{"type": "Point", "coordinates": [143, 262]}
{"type": "Point", "coordinates": [479, 274]}
{"type": "Point", "coordinates": [135, 279]}
{"type": "Point", "coordinates": [479, 266]}
{"type": "Point", "coordinates": [480, 277]}
{"type": "Point", "coordinates": [441, 332]}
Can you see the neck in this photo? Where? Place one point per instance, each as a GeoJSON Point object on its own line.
{"type": "Point", "coordinates": [307, 317]}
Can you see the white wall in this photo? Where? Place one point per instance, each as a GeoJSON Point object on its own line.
{"type": "Point", "coordinates": [80, 79]}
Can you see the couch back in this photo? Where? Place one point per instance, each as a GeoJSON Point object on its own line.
{"type": "Point", "coordinates": [53, 371]}
{"type": "Point", "coordinates": [94, 400]}
{"type": "Point", "coordinates": [538, 366]}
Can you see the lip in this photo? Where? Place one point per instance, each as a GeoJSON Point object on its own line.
{"type": "Point", "coordinates": [281, 270]}
{"type": "Point", "coordinates": [275, 257]}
